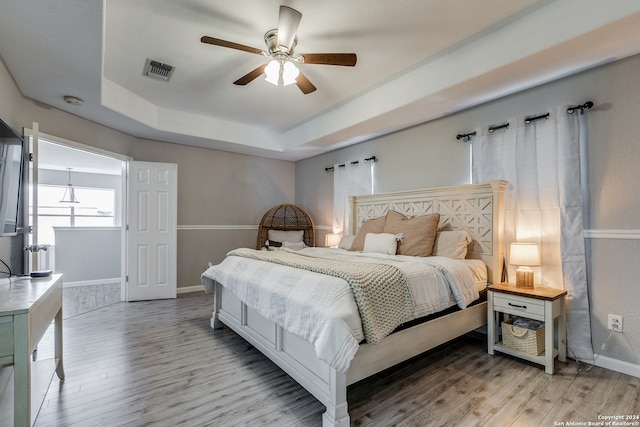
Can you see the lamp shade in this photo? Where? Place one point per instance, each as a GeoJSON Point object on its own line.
{"type": "Point", "coordinates": [527, 254]}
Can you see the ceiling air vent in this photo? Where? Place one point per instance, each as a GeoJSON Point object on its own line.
{"type": "Point", "coordinates": [158, 70]}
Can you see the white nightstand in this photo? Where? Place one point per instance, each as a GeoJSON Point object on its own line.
{"type": "Point", "coordinates": [545, 304]}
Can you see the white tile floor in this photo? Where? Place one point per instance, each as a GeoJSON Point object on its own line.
{"type": "Point", "coordinates": [81, 299]}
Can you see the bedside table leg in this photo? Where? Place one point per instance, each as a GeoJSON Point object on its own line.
{"type": "Point", "coordinates": [548, 338]}
{"type": "Point", "coordinates": [562, 332]}
{"type": "Point", "coordinates": [491, 321]}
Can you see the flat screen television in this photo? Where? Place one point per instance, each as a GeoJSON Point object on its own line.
{"type": "Point", "coordinates": [11, 160]}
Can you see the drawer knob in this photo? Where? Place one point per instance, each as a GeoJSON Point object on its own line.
{"type": "Point", "coordinates": [524, 307]}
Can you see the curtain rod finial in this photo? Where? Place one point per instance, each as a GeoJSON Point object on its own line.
{"type": "Point", "coordinates": [586, 106]}
{"type": "Point", "coordinates": [466, 137]}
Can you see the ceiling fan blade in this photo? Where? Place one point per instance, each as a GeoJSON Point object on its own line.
{"type": "Point", "coordinates": [344, 59]}
{"type": "Point", "coordinates": [304, 84]}
{"type": "Point", "coordinates": [232, 45]}
{"type": "Point", "coordinates": [288, 23]}
{"type": "Point", "coordinates": [250, 76]}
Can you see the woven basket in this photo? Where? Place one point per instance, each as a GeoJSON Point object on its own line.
{"type": "Point", "coordinates": [522, 339]}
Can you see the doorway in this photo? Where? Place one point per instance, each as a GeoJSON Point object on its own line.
{"type": "Point", "coordinates": [79, 217]}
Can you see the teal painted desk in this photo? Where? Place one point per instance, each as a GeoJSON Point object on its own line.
{"type": "Point", "coordinates": [27, 308]}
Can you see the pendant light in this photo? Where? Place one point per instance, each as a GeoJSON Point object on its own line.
{"type": "Point", "coordinates": [69, 196]}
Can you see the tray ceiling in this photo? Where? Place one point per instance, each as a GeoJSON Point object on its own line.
{"type": "Point", "coordinates": [417, 60]}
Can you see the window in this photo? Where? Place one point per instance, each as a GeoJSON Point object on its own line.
{"type": "Point", "coordinates": [96, 209]}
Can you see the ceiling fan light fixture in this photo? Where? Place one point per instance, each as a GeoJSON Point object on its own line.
{"type": "Point", "coordinates": [272, 72]}
{"type": "Point", "coordinates": [278, 71]}
{"type": "Point", "coordinates": [289, 73]}
{"type": "Point", "coordinates": [281, 43]}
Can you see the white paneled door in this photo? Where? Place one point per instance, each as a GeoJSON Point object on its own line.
{"type": "Point", "coordinates": [151, 269]}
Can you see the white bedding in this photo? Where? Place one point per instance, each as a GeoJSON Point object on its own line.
{"type": "Point", "coordinates": [321, 309]}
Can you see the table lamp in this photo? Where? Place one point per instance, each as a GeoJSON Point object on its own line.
{"type": "Point", "coordinates": [332, 240]}
{"type": "Point", "coordinates": [524, 255]}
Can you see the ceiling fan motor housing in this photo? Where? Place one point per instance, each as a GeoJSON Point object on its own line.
{"type": "Point", "coordinates": [271, 40]}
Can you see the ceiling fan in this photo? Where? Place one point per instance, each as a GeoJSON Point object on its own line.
{"type": "Point", "coordinates": [280, 43]}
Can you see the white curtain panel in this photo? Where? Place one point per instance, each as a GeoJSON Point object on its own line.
{"type": "Point", "coordinates": [543, 204]}
{"type": "Point", "coordinates": [352, 179]}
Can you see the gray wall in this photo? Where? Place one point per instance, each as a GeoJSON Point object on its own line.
{"type": "Point", "coordinates": [225, 192]}
{"type": "Point", "coordinates": [85, 254]}
{"type": "Point", "coordinates": [221, 193]}
{"type": "Point", "coordinates": [429, 155]}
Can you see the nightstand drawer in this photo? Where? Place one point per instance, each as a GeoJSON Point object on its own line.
{"type": "Point", "coordinates": [519, 306]}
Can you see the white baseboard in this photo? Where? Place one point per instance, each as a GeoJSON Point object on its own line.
{"type": "Point", "coordinates": [189, 289]}
{"type": "Point", "coordinates": [89, 282]}
{"type": "Point", "coordinates": [616, 365]}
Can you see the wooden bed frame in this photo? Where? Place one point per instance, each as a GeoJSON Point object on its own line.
{"type": "Point", "coordinates": [477, 208]}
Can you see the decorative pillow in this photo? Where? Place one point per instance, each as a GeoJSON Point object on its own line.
{"type": "Point", "coordinates": [375, 225]}
{"type": "Point", "coordinates": [419, 232]}
{"type": "Point", "coordinates": [382, 243]}
{"type": "Point", "coordinates": [452, 244]}
{"type": "Point", "coordinates": [285, 235]}
{"type": "Point", "coordinates": [346, 241]}
{"type": "Point", "coordinates": [272, 245]}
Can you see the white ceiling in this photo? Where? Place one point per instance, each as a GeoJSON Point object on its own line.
{"type": "Point", "coordinates": [417, 60]}
{"type": "Point", "coordinates": [54, 156]}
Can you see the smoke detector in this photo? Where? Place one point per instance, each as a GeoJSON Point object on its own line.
{"type": "Point", "coordinates": [158, 70]}
{"type": "Point", "coordinates": [73, 100]}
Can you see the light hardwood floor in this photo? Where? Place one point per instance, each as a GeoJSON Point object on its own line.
{"type": "Point", "coordinates": [158, 363]}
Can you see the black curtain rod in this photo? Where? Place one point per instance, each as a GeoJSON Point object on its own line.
{"type": "Point", "coordinates": [497, 127]}
{"type": "Point", "coordinates": [570, 110]}
{"type": "Point", "coordinates": [491, 130]}
{"type": "Point", "coordinates": [355, 162]}
{"type": "Point", "coordinates": [534, 118]}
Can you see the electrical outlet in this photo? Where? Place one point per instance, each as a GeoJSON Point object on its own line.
{"type": "Point", "coordinates": [614, 323]}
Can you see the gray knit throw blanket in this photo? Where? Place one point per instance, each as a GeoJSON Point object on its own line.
{"type": "Point", "coordinates": [381, 291]}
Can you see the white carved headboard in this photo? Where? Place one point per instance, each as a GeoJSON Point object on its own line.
{"type": "Point", "coordinates": [476, 208]}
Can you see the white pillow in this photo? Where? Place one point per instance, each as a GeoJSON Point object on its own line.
{"type": "Point", "coordinates": [285, 235]}
{"type": "Point", "coordinates": [346, 241]}
{"type": "Point", "coordinates": [451, 244]}
{"type": "Point", "coordinates": [293, 245]}
{"type": "Point", "coordinates": [384, 243]}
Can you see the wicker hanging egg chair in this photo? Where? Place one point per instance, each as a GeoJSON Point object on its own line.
{"type": "Point", "coordinates": [286, 217]}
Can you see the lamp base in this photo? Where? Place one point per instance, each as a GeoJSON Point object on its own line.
{"type": "Point", "coordinates": [524, 278]}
